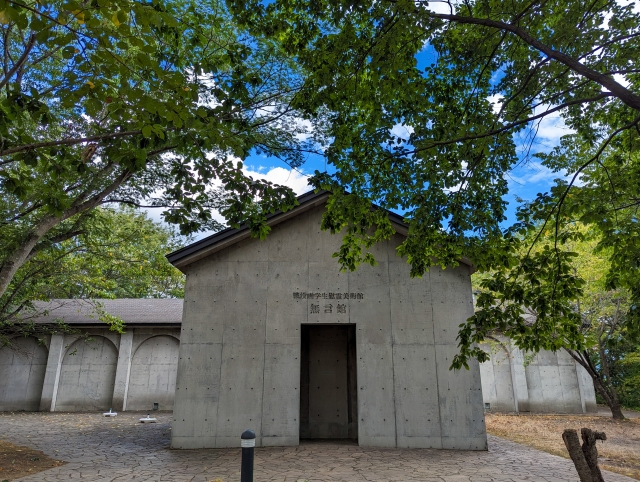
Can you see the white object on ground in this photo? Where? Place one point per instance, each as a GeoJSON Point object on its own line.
{"type": "Point", "coordinates": [110, 413]}
{"type": "Point", "coordinates": [148, 419]}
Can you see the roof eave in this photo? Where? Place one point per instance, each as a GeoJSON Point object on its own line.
{"type": "Point", "coordinates": [228, 237]}
{"type": "Point", "coordinates": [223, 239]}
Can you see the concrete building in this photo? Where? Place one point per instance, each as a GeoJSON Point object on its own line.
{"type": "Point", "coordinates": [131, 371]}
{"type": "Point", "coordinates": [148, 352]}
{"type": "Point", "coordinates": [546, 382]}
{"type": "Point", "coordinates": [275, 338]}
{"type": "Point", "coordinates": [272, 336]}
{"type": "Point", "coordinates": [511, 382]}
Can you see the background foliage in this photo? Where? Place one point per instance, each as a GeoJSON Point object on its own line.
{"type": "Point", "coordinates": [143, 103]}
{"type": "Point", "coordinates": [121, 254]}
{"type": "Point", "coordinates": [437, 141]}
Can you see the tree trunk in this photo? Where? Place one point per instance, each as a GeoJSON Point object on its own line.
{"type": "Point", "coordinates": [585, 457]}
{"type": "Point", "coordinates": [616, 410]}
{"type": "Point", "coordinates": [570, 438]}
{"type": "Point", "coordinates": [590, 451]}
{"type": "Point", "coordinates": [20, 254]}
{"type": "Point", "coordinates": [605, 389]}
{"type": "Point", "coordinates": [611, 397]}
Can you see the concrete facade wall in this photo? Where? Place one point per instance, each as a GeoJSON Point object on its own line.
{"type": "Point", "coordinates": [87, 376]}
{"type": "Point", "coordinates": [549, 382]}
{"type": "Point", "coordinates": [497, 380]}
{"type": "Point", "coordinates": [153, 373]}
{"type": "Point", "coordinates": [137, 368]}
{"type": "Point", "coordinates": [239, 363]}
{"type": "Point", "coordinates": [22, 373]}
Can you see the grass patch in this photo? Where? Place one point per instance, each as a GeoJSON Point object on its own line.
{"type": "Point", "coordinates": [619, 453]}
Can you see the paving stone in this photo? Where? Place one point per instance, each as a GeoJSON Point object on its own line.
{"type": "Point", "coordinates": [122, 449]}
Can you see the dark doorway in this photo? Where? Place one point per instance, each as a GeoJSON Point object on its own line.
{"type": "Point", "coordinates": [328, 384]}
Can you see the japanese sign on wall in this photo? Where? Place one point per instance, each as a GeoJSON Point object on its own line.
{"type": "Point", "coordinates": [327, 296]}
{"type": "Point", "coordinates": [331, 307]}
{"type": "Point", "coordinates": [339, 308]}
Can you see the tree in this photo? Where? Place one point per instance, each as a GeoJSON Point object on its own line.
{"type": "Point", "coordinates": [437, 141]}
{"type": "Point", "coordinates": [602, 309]}
{"type": "Point", "coordinates": [135, 102]}
{"type": "Point", "coordinates": [120, 255]}
{"type": "Point", "coordinates": [606, 201]}
{"type": "Point", "coordinates": [626, 376]}
{"type": "Point", "coordinates": [603, 312]}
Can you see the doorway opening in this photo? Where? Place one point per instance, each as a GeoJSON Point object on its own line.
{"type": "Point", "coordinates": [328, 382]}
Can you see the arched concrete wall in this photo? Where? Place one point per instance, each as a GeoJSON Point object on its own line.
{"type": "Point", "coordinates": [549, 382]}
{"type": "Point", "coordinates": [553, 383]}
{"type": "Point", "coordinates": [87, 376]}
{"type": "Point", "coordinates": [497, 379]}
{"type": "Point", "coordinates": [153, 374]}
{"type": "Point", "coordinates": [22, 373]}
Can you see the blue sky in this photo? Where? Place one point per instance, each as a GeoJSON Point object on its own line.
{"type": "Point", "coordinates": [525, 181]}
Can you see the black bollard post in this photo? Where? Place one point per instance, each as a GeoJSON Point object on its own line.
{"type": "Point", "coordinates": [248, 442]}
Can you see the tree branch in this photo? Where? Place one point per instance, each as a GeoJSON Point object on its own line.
{"type": "Point", "coordinates": [138, 205]}
{"type": "Point", "coordinates": [622, 93]}
{"type": "Point", "coordinates": [67, 142]}
{"type": "Point", "coordinates": [16, 258]}
{"type": "Point", "coordinates": [20, 61]}
{"type": "Point", "coordinates": [54, 240]}
{"type": "Point", "coordinates": [511, 125]}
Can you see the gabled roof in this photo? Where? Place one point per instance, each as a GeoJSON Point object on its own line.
{"type": "Point", "coordinates": [230, 236]}
{"type": "Point", "coordinates": [147, 311]}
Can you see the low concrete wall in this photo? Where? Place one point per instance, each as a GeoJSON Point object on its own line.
{"type": "Point", "coordinates": [22, 372]}
{"type": "Point", "coordinates": [131, 371]}
{"type": "Point", "coordinates": [410, 346]}
{"type": "Point", "coordinates": [497, 380]}
{"type": "Point", "coordinates": [549, 382]}
{"type": "Point", "coordinates": [153, 372]}
{"type": "Point", "coordinates": [87, 376]}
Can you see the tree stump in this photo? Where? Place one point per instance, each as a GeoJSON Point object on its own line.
{"type": "Point", "coordinates": [585, 457]}
{"type": "Point", "coordinates": [589, 438]}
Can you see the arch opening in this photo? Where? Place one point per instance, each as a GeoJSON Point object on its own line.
{"type": "Point", "coordinates": [153, 374]}
{"type": "Point", "coordinates": [87, 376]}
{"type": "Point", "coordinates": [22, 371]}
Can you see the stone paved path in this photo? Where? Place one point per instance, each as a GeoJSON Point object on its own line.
{"type": "Point", "coordinates": [121, 449]}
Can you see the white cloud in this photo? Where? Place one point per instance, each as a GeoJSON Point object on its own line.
{"type": "Point", "coordinates": [551, 127]}
{"type": "Point", "coordinates": [534, 172]}
{"type": "Point", "coordinates": [496, 101]}
{"type": "Point", "coordinates": [624, 3]}
{"type": "Point", "coordinates": [307, 127]}
{"type": "Point", "coordinates": [403, 131]}
{"type": "Point", "coordinates": [542, 134]}
{"type": "Point", "coordinates": [621, 79]}
{"type": "Point", "coordinates": [457, 187]}
{"type": "Point", "coordinates": [441, 6]}
{"type": "Point", "coordinates": [296, 180]}
{"type": "Point", "coordinates": [277, 175]}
